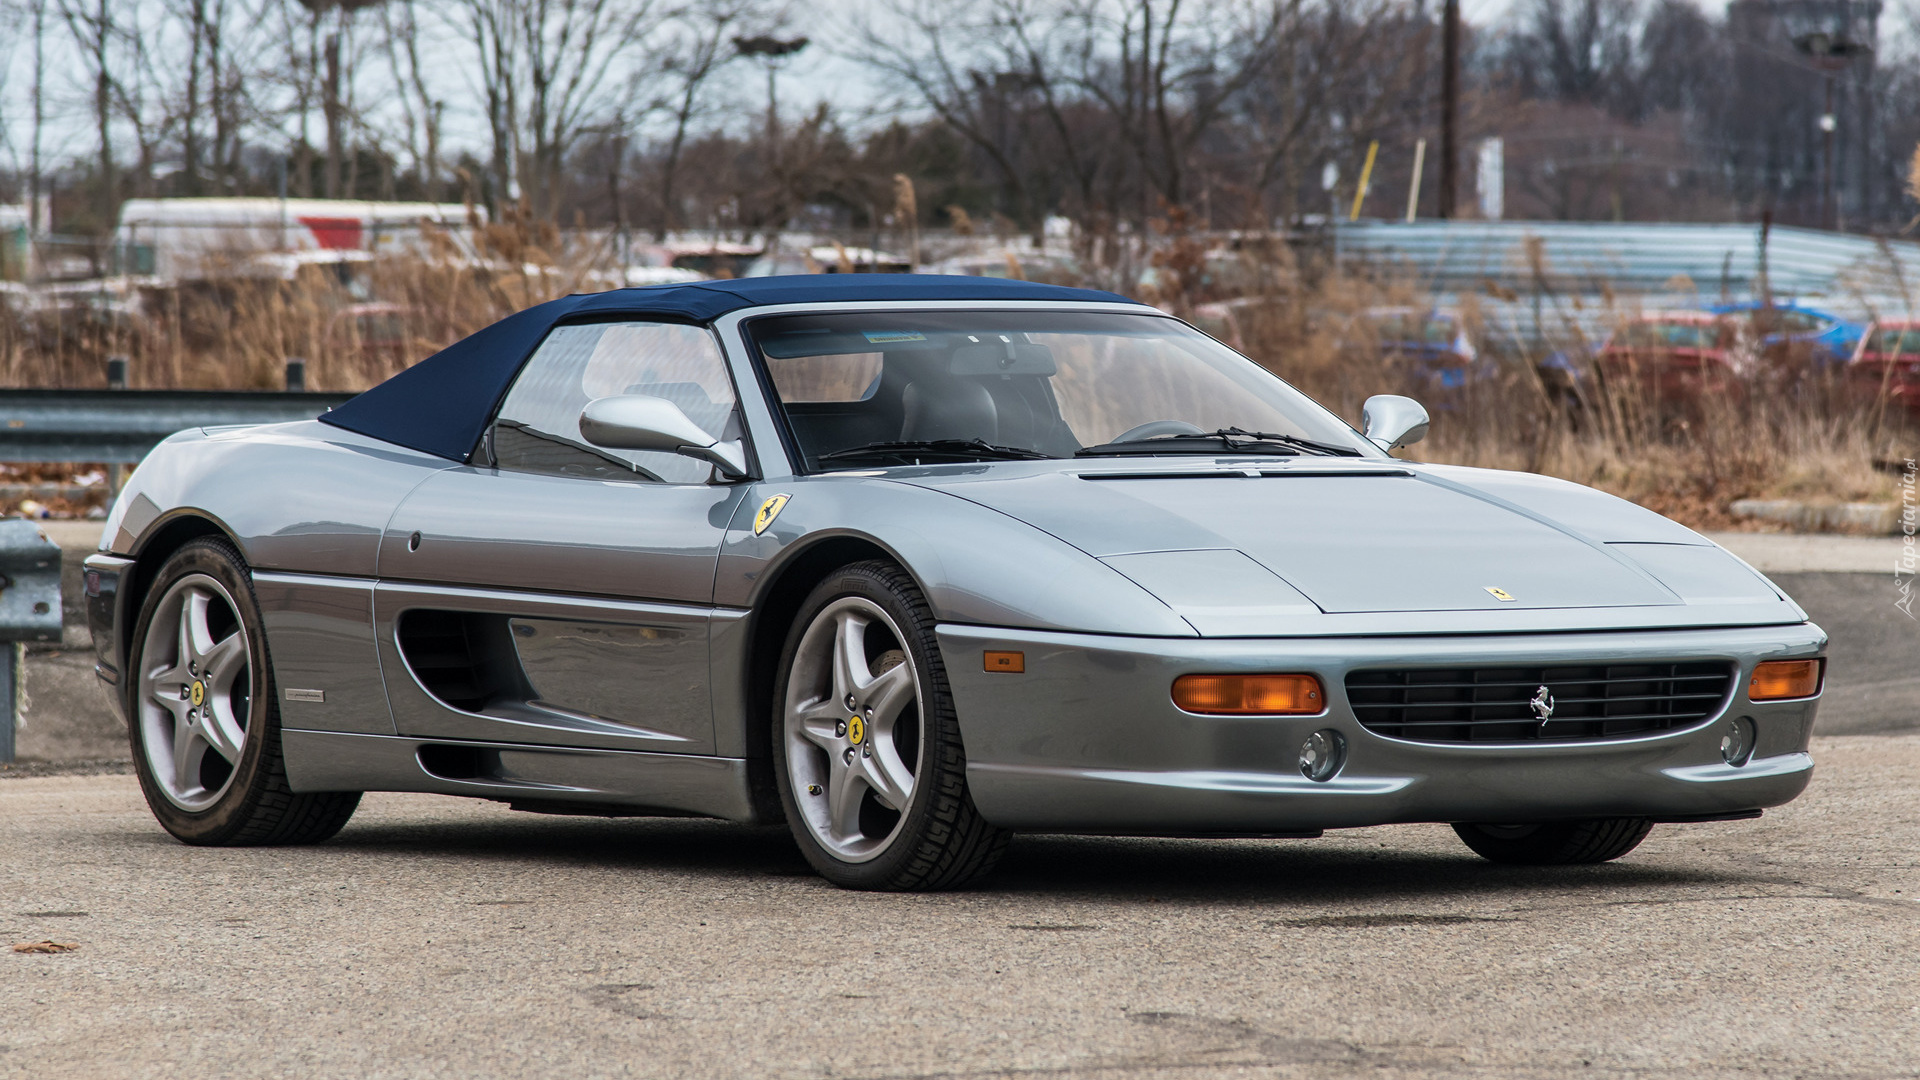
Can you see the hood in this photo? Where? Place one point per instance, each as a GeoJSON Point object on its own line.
{"type": "Point", "coordinates": [1272, 547]}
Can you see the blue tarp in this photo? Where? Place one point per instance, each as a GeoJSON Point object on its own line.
{"type": "Point", "coordinates": [441, 405]}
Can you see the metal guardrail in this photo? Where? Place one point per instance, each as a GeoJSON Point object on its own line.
{"type": "Point", "coordinates": [118, 427]}
{"type": "Point", "coordinates": [29, 611]}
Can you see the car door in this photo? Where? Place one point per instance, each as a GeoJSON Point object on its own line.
{"type": "Point", "coordinates": [556, 592]}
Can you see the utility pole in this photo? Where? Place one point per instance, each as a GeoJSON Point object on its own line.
{"type": "Point", "coordinates": [771, 51]}
{"type": "Point", "coordinates": [1449, 108]}
{"type": "Point", "coordinates": [1829, 206]}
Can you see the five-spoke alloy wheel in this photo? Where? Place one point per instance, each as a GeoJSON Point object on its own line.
{"type": "Point", "coordinates": [853, 728]}
{"type": "Point", "coordinates": [867, 750]}
{"type": "Point", "coordinates": [202, 717]}
{"type": "Point", "coordinates": [196, 691]}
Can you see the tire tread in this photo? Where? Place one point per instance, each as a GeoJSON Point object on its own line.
{"type": "Point", "coordinates": [1560, 843]}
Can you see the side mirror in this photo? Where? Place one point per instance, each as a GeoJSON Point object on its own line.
{"type": "Point", "coordinates": [1392, 421]}
{"type": "Point", "coordinates": [644, 422]}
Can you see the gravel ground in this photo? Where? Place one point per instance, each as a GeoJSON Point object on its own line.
{"type": "Point", "coordinates": [21, 770]}
{"type": "Point", "coordinates": [442, 937]}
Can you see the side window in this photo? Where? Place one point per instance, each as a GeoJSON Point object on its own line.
{"type": "Point", "coordinates": [538, 429]}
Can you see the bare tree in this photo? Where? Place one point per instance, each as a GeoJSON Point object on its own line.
{"type": "Point", "coordinates": [696, 45]}
{"type": "Point", "coordinates": [1137, 104]}
{"type": "Point", "coordinates": [544, 68]}
{"type": "Point", "coordinates": [420, 107]}
{"type": "Point", "coordinates": [208, 94]}
{"type": "Point", "coordinates": [96, 36]}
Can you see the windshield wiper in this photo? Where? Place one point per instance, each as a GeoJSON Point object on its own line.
{"type": "Point", "coordinates": [913, 450]}
{"type": "Point", "coordinates": [1231, 439]}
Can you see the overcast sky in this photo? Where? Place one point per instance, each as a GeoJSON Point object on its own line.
{"type": "Point", "coordinates": [815, 75]}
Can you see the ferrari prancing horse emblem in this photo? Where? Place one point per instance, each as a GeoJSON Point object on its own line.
{"type": "Point", "coordinates": [856, 730]}
{"type": "Point", "coordinates": [768, 511]}
{"type": "Point", "coordinates": [1500, 594]}
{"type": "Point", "coordinates": [1542, 705]}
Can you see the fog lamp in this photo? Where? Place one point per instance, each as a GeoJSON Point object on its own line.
{"type": "Point", "coordinates": [1736, 745]}
{"type": "Point", "coordinates": [1249, 695]}
{"type": "Point", "coordinates": [1322, 755]}
{"type": "Point", "coordinates": [1778, 680]}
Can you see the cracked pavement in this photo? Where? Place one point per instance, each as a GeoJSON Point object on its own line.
{"type": "Point", "coordinates": [442, 937]}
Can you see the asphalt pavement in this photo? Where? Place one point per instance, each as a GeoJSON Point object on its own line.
{"type": "Point", "coordinates": [440, 937]}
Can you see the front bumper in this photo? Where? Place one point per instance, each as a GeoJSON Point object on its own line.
{"type": "Point", "coordinates": [1088, 739]}
{"type": "Point", "coordinates": [107, 615]}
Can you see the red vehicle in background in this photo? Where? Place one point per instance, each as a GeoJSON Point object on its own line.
{"type": "Point", "coordinates": [379, 333]}
{"type": "Point", "coordinates": [1888, 362]}
{"type": "Point", "coordinates": [1679, 356]}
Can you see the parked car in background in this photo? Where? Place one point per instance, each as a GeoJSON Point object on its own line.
{"type": "Point", "coordinates": [1819, 335]}
{"type": "Point", "coordinates": [372, 331]}
{"type": "Point", "coordinates": [1887, 362]}
{"type": "Point", "coordinates": [1236, 322]}
{"type": "Point", "coordinates": [1020, 266]}
{"type": "Point", "coordinates": [1677, 356]}
{"type": "Point", "coordinates": [1431, 346]}
{"type": "Point", "coordinates": [714, 258]}
{"type": "Point", "coordinates": [828, 259]}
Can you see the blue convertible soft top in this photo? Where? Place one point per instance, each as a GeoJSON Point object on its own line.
{"type": "Point", "coordinates": [441, 405]}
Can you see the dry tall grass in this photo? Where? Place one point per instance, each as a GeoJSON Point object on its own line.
{"type": "Point", "coordinates": [1776, 436]}
{"type": "Point", "coordinates": [1790, 429]}
{"type": "Point", "coordinates": [237, 331]}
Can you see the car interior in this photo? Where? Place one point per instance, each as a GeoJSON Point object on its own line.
{"type": "Point", "coordinates": [992, 387]}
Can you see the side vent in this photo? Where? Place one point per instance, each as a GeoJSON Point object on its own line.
{"type": "Point", "coordinates": [465, 659]}
{"type": "Point", "coordinates": [455, 762]}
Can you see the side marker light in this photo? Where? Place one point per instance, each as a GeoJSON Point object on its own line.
{"type": "Point", "coordinates": [1010, 663]}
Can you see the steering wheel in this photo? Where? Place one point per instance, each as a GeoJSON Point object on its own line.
{"type": "Point", "coordinates": [1158, 427]}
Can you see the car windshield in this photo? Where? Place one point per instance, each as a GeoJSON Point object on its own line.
{"type": "Point", "coordinates": [861, 389]}
{"type": "Point", "coordinates": [1671, 335]}
{"type": "Point", "coordinates": [1416, 329]}
{"type": "Point", "coordinates": [1895, 342]}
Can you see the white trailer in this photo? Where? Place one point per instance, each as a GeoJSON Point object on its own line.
{"type": "Point", "coordinates": [183, 239]}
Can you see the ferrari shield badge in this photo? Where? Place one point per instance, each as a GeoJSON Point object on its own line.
{"type": "Point", "coordinates": [856, 730]}
{"type": "Point", "coordinates": [1499, 593]}
{"type": "Point", "coordinates": [768, 511]}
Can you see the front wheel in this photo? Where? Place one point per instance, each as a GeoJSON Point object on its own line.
{"type": "Point", "coordinates": [866, 745]}
{"type": "Point", "coordinates": [1555, 843]}
{"type": "Point", "coordinates": [203, 721]}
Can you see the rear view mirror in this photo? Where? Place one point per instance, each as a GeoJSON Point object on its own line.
{"type": "Point", "coordinates": [1392, 421]}
{"type": "Point", "coordinates": [1003, 358]}
{"type": "Point", "coordinates": [644, 422]}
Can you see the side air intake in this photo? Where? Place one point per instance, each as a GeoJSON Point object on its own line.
{"type": "Point", "coordinates": [465, 659]}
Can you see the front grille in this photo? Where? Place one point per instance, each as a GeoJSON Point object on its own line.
{"type": "Point", "coordinates": [1590, 701]}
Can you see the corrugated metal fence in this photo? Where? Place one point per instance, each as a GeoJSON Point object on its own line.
{"type": "Point", "coordinates": [1554, 284]}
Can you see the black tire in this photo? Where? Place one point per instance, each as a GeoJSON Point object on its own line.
{"type": "Point", "coordinates": [256, 805]}
{"type": "Point", "coordinates": [940, 841]}
{"type": "Point", "coordinates": [1555, 843]}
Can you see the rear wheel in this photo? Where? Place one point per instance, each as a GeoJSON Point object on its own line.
{"type": "Point", "coordinates": [1555, 843]}
{"type": "Point", "coordinates": [866, 746]}
{"type": "Point", "coordinates": [204, 724]}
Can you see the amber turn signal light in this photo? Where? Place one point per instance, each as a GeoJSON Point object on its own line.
{"type": "Point", "coordinates": [1249, 695]}
{"type": "Point", "coordinates": [1777, 680]}
{"type": "Point", "coordinates": [1012, 663]}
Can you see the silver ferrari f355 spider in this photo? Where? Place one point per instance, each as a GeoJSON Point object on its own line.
{"type": "Point", "coordinates": [914, 564]}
